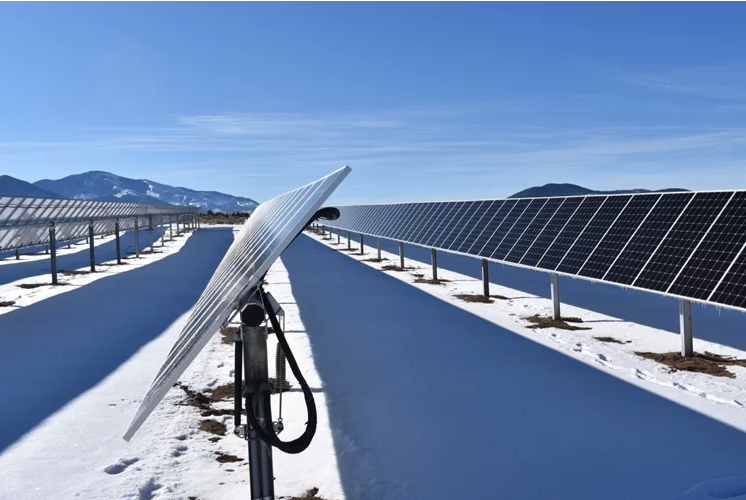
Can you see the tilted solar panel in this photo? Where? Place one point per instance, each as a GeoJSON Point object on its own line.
{"type": "Point", "coordinates": [685, 244]}
{"type": "Point", "coordinates": [265, 235]}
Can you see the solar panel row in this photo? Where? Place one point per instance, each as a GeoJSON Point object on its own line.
{"type": "Point", "coordinates": [687, 244]}
{"type": "Point", "coordinates": [265, 235]}
{"type": "Point", "coordinates": [25, 221]}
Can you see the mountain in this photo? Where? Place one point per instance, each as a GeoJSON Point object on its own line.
{"type": "Point", "coordinates": [574, 189]}
{"type": "Point", "coordinates": [105, 186]}
{"type": "Point", "coordinates": [16, 187]}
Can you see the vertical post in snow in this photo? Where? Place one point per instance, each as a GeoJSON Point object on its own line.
{"type": "Point", "coordinates": [150, 230]}
{"type": "Point", "coordinates": [362, 245]}
{"type": "Point", "coordinates": [685, 326]}
{"type": "Point", "coordinates": [116, 236]}
{"type": "Point", "coordinates": [401, 254]}
{"type": "Point", "coordinates": [339, 237]}
{"type": "Point", "coordinates": [53, 247]}
{"type": "Point", "coordinates": [18, 254]}
{"type": "Point", "coordinates": [137, 237]}
{"type": "Point", "coordinates": [46, 249]}
{"type": "Point", "coordinates": [92, 246]}
{"type": "Point", "coordinates": [378, 247]}
{"type": "Point", "coordinates": [555, 296]}
{"type": "Point", "coordinates": [171, 231]}
{"type": "Point", "coordinates": [485, 278]}
{"type": "Point", "coordinates": [349, 241]}
{"type": "Point", "coordinates": [434, 260]}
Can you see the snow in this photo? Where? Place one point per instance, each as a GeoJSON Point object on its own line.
{"type": "Point", "coordinates": [420, 395]}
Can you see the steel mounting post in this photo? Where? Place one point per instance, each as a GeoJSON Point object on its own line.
{"type": "Point", "coordinates": [137, 237]}
{"type": "Point", "coordinates": [116, 236]}
{"type": "Point", "coordinates": [555, 296]}
{"type": "Point", "coordinates": [401, 254]}
{"type": "Point", "coordinates": [378, 247]}
{"type": "Point", "coordinates": [53, 251]}
{"type": "Point", "coordinates": [685, 326]}
{"type": "Point", "coordinates": [434, 260]}
{"type": "Point", "coordinates": [92, 247]}
{"type": "Point", "coordinates": [362, 245]}
{"type": "Point", "coordinates": [486, 278]}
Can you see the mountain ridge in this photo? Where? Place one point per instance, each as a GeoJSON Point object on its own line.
{"type": "Point", "coordinates": [105, 186]}
{"type": "Point", "coordinates": [567, 189]}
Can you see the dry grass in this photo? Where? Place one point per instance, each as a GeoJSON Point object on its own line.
{"type": "Point", "coordinates": [7, 303]}
{"type": "Point", "coordinates": [310, 495]}
{"type": "Point", "coordinates": [228, 333]}
{"type": "Point", "coordinates": [29, 286]}
{"type": "Point", "coordinates": [612, 340]}
{"type": "Point", "coordinates": [431, 281]}
{"type": "Point", "coordinates": [75, 273]}
{"type": "Point", "coordinates": [479, 298]}
{"type": "Point", "coordinates": [547, 322]}
{"type": "Point", "coordinates": [213, 427]}
{"type": "Point", "coordinates": [225, 458]}
{"type": "Point", "coordinates": [707, 362]}
{"type": "Point", "coordinates": [397, 268]}
{"type": "Point", "coordinates": [375, 259]}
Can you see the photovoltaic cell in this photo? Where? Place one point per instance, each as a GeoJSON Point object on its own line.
{"type": "Point", "coordinates": [732, 290]}
{"type": "Point", "coordinates": [446, 230]}
{"type": "Point", "coordinates": [534, 229]}
{"type": "Point", "coordinates": [680, 242]}
{"type": "Point", "coordinates": [618, 235]}
{"type": "Point", "coordinates": [266, 234]}
{"type": "Point", "coordinates": [567, 236]}
{"type": "Point", "coordinates": [550, 231]}
{"type": "Point", "coordinates": [502, 230]}
{"type": "Point", "coordinates": [515, 232]}
{"type": "Point", "coordinates": [716, 253]}
{"type": "Point", "coordinates": [501, 211]}
{"type": "Point", "coordinates": [437, 225]}
{"type": "Point", "coordinates": [483, 215]}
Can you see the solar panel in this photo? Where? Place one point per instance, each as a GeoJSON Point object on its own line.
{"type": "Point", "coordinates": [687, 244]}
{"type": "Point", "coordinates": [265, 235]}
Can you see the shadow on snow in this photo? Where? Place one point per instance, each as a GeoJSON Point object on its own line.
{"type": "Point", "coordinates": [103, 252]}
{"type": "Point", "coordinates": [54, 350]}
{"type": "Point", "coordinates": [429, 401]}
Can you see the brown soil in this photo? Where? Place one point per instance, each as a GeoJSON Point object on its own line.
{"type": "Point", "coordinates": [224, 391]}
{"type": "Point", "coordinates": [397, 268]}
{"type": "Point", "coordinates": [310, 495]}
{"type": "Point", "coordinates": [273, 386]}
{"type": "Point", "coordinates": [345, 249]}
{"type": "Point", "coordinates": [430, 281]}
{"type": "Point", "coordinates": [194, 398]}
{"type": "Point", "coordinates": [7, 303]}
{"type": "Point", "coordinates": [707, 362]}
{"type": "Point", "coordinates": [150, 251]}
{"type": "Point", "coordinates": [547, 322]}
{"type": "Point", "coordinates": [213, 427]}
{"type": "Point", "coordinates": [28, 286]}
{"type": "Point", "coordinates": [478, 297]}
{"type": "Point", "coordinates": [375, 259]}
{"type": "Point", "coordinates": [75, 273]}
{"type": "Point", "coordinates": [225, 458]}
{"type": "Point", "coordinates": [612, 340]}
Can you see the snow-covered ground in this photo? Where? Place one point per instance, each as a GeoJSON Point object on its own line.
{"type": "Point", "coordinates": [420, 395]}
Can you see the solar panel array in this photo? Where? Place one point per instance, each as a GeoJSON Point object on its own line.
{"type": "Point", "coordinates": [271, 228]}
{"type": "Point", "coordinates": [684, 244]}
{"type": "Point", "coordinates": [25, 221]}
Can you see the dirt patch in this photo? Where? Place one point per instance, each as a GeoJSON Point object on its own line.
{"type": "Point", "coordinates": [214, 440]}
{"type": "Point", "coordinates": [431, 281]}
{"type": "Point", "coordinates": [225, 458]}
{"type": "Point", "coordinates": [28, 286]}
{"type": "Point", "coordinates": [75, 273]}
{"type": "Point", "coordinates": [547, 322]}
{"type": "Point", "coordinates": [274, 386]}
{"type": "Point", "coordinates": [310, 495]}
{"type": "Point", "coordinates": [345, 249]}
{"type": "Point", "coordinates": [375, 259]}
{"type": "Point", "coordinates": [150, 251]}
{"type": "Point", "coordinates": [479, 298]}
{"type": "Point", "coordinates": [612, 340]}
{"type": "Point", "coordinates": [221, 392]}
{"type": "Point", "coordinates": [397, 268]}
{"type": "Point", "coordinates": [194, 398]}
{"type": "Point", "coordinates": [213, 427]}
{"type": "Point", "coordinates": [229, 334]}
{"type": "Point", "coordinates": [7, 303]}
{"type": "Point", "coordinates": [707, 362]}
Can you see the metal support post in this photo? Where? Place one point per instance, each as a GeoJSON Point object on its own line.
{"type": "Point", "coordinates": [401, 254]}
{"type": "Point", "coordinates": [434, 259]}
{"type": "Point", "coordinates": [685, 325]}
{"type": "Point", "coordinates": [349, 241]}
{"type": "Point", "coordinates": [339, 237]}
{"type": "Point", "coordinates": [137, 237]}
{"type": "Point", "coordinates": [53, 247]}
{"type": "Point", "coordinates": [18, 254]}
{"type": "Point", "coordinates": [92, 246]}
{"type": "Point", "coordinates": [256, 380]}
{"type": "Point", "coordinates": [555, 296]}
{"type": "Point", "coordinates": [485, 278]}
{"type": "Point", "coordinates": [178, 230]}
{"type": "Point", "coordinates": [378, 247]}
{"type": "Point", "coordinates": [362, 245]}
{"type": "Point", "coordinates": [150, 230]}
{"type": "Point", "coordinates": [116, 236]}
{"type": "Point", "coordinates": [163, 235]}
{"type": "Point", "coordinates": [46, 249]}
{"type": "Point", "coordinates": [171, 231]}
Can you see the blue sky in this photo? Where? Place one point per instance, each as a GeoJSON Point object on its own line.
{"type": "Point", "coordinates": [424, 101]}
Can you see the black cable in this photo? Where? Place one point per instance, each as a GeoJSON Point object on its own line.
{"type": "Point", "coordinates": [269, 437]}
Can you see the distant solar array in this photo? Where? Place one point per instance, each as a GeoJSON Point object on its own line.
{"type": "Point", "coordinates": [688, 244]}
{"type": "Point", "coordinates": [265, 235]}
{"type": "Point", "coordinates": [25, 221]}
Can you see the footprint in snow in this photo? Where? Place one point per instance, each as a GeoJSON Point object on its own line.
{"type": "Point", "coordinates": [120, 466]}
{"type": "Point", "coordinates": [178, 451]}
